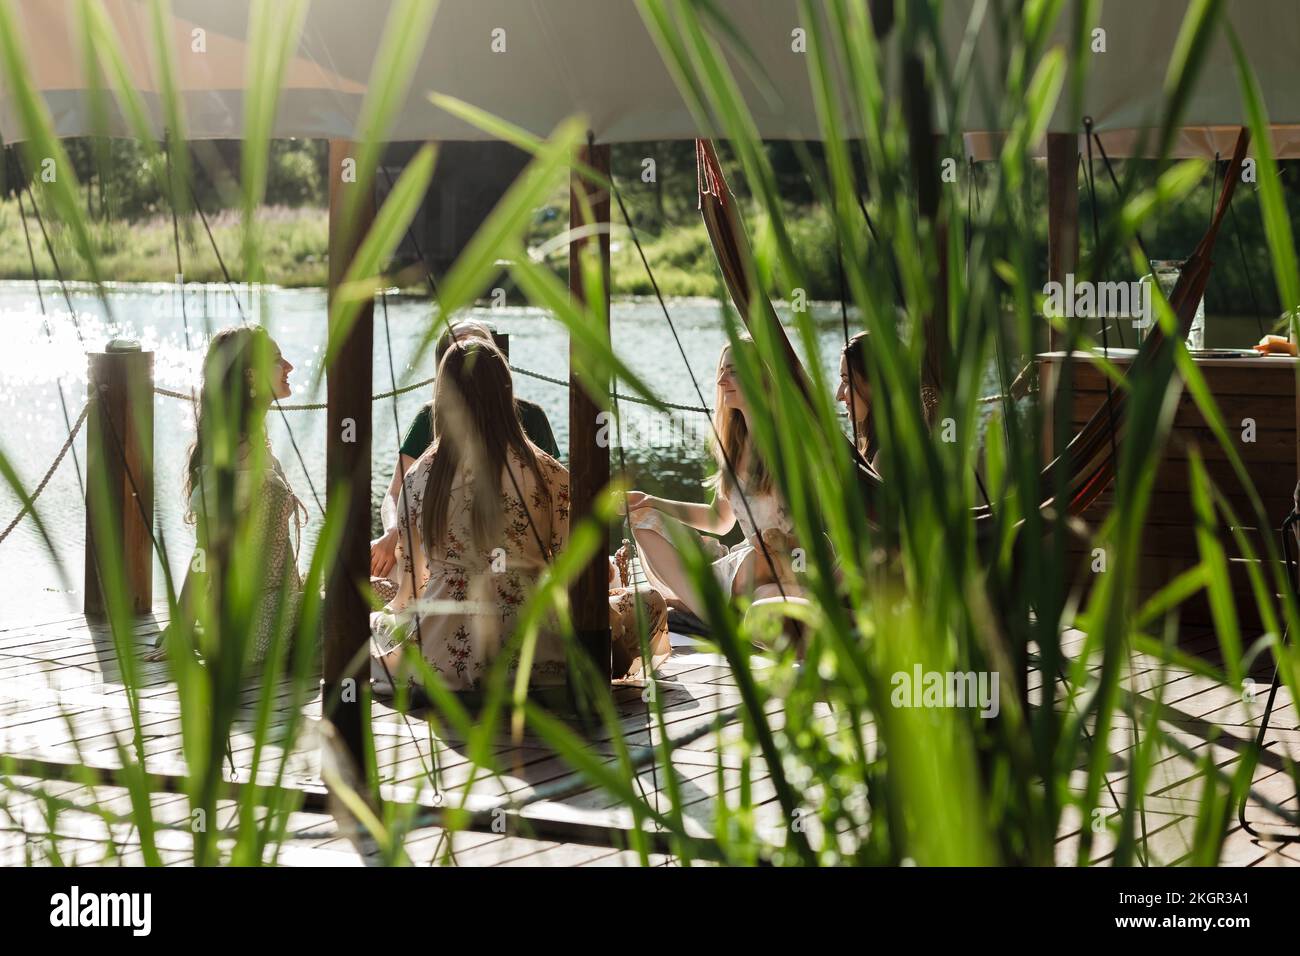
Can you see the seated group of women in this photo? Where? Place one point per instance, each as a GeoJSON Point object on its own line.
{"type": "Point", "coordinates": [479, 506]}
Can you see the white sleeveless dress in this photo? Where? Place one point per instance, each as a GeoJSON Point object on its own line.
{"type": "Point", "coordinates": [765, 512]}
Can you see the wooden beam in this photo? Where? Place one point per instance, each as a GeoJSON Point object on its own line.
{"type": "Point", "coordinates": [346, 625]}
{"type": "Point", "coordinates": [119, 474]}
{"type": "Point", "coordinates": [1062, 211]}
{"type": "Point", "coordinates": [588, 456]}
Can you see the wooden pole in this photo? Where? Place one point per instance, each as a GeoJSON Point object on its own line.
{"type": "Point", "coordinates": [588, 455]}
{"type": "Point", "coordinates": [346, 630]}
{"type": "Point", "coordinates": [1062, 211]}
{"type": "Point", "coordinates": [119, 472]}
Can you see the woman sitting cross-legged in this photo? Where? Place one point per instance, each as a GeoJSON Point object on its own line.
{"type": "Point", "coordinates": [235, 486]}
{"type": "Point", "coordinates": [759, 566]}
{"type": "Point", "coordinates": [420, 435]}
{"type": "Point", "coordinates": [480, 514]}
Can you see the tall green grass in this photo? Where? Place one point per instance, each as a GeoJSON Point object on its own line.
{"type": "Point", "coordinates": [854, 778]}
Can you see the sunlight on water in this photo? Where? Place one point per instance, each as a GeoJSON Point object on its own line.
{"type": "Point", "coordinates": [35, 361]}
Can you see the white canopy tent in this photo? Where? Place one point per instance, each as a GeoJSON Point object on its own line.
{"type": "Point", "coordinates": [536, 62]}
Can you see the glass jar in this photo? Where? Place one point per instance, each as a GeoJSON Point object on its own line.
{"type": "Point", "coordinates": [1166, 272]}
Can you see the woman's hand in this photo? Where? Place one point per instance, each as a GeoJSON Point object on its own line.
{"type": "Point", "coordinates": [639, 501]}
{"type": "Point", "coordinates": [714, 518]}
{"type": "Point", "coordinates": [383, 554]}
{"type": "Point", "coordinates": [777, 546]}
{"type": "Point", "coordinates": [778, 540]}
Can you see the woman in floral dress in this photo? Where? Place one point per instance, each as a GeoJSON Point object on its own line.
{"type": "Point", "coordinates": [481, 514]}
{"type": "Point", "coordinates": [477, 558]}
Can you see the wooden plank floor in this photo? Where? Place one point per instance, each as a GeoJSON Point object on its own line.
{"type": "Point", "coordinates": [62, 703]}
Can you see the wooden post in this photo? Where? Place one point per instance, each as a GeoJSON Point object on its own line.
{"type": "Point", "coordinates": [346, 630]}
{"type": "Point", "coordinates": [588, 456]}
{"type": "Point", "coordinates": [119, 474]}
{"type": "Point", "coordinates": [1062, 211]}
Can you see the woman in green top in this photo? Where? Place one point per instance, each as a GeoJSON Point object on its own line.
{"type": "Point", "coordinates": [383, 550]}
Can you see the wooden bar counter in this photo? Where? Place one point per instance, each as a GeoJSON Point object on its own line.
{"type": "Point", "coordinates": [1262, 389]}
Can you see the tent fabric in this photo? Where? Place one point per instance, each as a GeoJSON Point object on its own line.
{"type": "Point", "coordinates": [537, 62]}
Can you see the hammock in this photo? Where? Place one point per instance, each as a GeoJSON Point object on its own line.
{"type": "Point", "coordinates": [1087, 464]}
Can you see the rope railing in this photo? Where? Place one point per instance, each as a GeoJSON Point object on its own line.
{"type": "Point", "coordinates": [302, 407]}
{"type": "Point", "coordinates": [49, 473]}
{"type": "Point", "coordinates": [317, 406]}
{"type": "Point", "coordinates": [1015, 392]}
{"type": "Point", "coordinates": [619, 395]}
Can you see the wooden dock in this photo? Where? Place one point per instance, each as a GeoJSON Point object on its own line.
{"type": "Point", "coordinates": [62, 704]}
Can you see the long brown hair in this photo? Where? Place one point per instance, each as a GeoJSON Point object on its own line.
{"type": "Point", "coordinates": [476, 423]}
{"type": "Point", "coordinates": [731, 441]}
{"type": "Point", "coordinates": [233, 398]}
{"type": "Point", "coordinates": [855, 361]}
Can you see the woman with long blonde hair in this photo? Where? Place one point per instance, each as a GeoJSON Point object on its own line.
{"type": "Point", "coordinates": [759, 565]}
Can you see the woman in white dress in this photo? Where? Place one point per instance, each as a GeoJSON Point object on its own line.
{"type": "Point", "coordinates": [481, 513]}
{"type": "Point", "coordinates": [237, 495]}
{"type": "Point", "coordinates": [757, 567]}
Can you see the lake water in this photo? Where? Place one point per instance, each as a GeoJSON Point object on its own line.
{"type": "Point", "coordinates": [663, 457]}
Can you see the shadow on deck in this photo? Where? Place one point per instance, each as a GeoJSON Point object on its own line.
{"type": "Point", "coordinates": [63, 707]}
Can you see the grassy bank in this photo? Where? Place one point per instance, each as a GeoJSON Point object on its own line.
{"type": "Point", "coordinates": [294, 241]}
{"type": "Point", "coordinates": [296, 246]}
{"type": "Point", "coordinates": [683, 262]}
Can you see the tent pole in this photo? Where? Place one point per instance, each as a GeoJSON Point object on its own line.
{"type": "Point", "coordinates": [588, 452]}
{"type": "Point", "coordinates": [1062, 211]}
{"type": "Point", "coordinates": [346, 626]}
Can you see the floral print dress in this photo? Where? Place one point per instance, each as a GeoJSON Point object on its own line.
{"type": "Point", "coordinates": [460, 602]}
{"type": "Point", "coordinates": [276, 517]}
